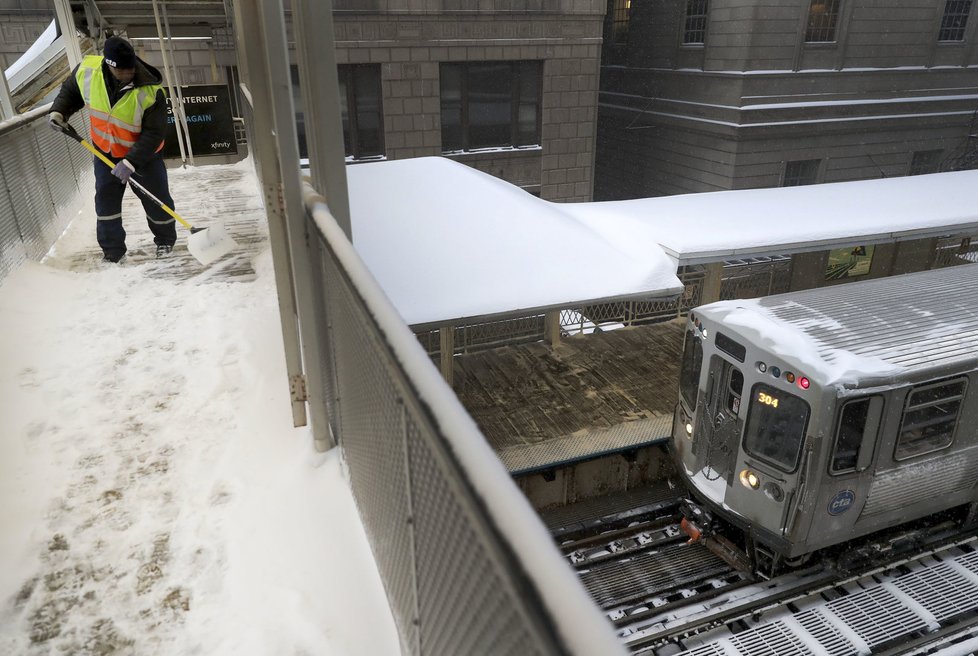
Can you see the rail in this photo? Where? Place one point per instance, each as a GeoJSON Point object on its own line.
{"type": "Point", "coordinates": [41, 174]}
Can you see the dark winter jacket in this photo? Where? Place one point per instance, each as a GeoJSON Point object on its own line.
{"type": "Point", "coordinates": [70, 100]}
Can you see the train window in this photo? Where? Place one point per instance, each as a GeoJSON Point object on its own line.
{"type": "Point", "coordinates": [689, 373]}
{"type": "Point", "coordinates": [730, 347]}
{"type": "Point", "coordinates": [735, 388]}
{"type": "Point", "coordinates": [858, 421]}
{"type": "Point", "coordinates": [776, 422]}
{"type": "Point", "coordinates": [929, 418]}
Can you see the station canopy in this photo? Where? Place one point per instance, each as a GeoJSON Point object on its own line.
{"type": "Point", "coordinates": [450, 244]}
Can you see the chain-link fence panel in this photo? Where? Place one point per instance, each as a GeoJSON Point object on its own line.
{"type": "Point", "coordinates": [952, 251]}
{"type": "Point", "coordinates": [456, 581]}
{"type": "Point", "coordinates": [39, 179]}
{"type": "Point", "coordinates": [756, 277]}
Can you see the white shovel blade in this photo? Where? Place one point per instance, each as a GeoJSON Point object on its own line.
{"type": "Point", "coordinates": [211, 243]}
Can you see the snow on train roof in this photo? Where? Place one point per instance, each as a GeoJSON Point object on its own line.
{"type": "Point", "coordinates": [714, 226]}
{"type": "Point", "coordinates": [871, 329]}
{"type": "Point", "coordinates": [447, 242]}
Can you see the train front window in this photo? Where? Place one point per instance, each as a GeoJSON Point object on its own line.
{"type": "Point", "coordinates": [929, 418]}
{"type": "Point", "coordinates": [776, 422]}
{"type": "Point", "coordinates": [689, 373]}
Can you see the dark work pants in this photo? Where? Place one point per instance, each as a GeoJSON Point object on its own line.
{"type": "Point", "coordinates": [108, 206]}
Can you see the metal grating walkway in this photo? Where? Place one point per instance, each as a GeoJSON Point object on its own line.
{"type": "Point", "coordinates": [917, 602]}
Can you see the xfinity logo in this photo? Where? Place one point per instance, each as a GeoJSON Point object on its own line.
{"type": "Point", "coordinates": [221, 144]}
{"type": "Point", "coordinates": [841, 502]}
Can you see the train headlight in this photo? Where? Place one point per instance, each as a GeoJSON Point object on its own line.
{"type": "Point", "coordinates": [749, 479]}
{"type": "Point", "coordinates": [689, 429]}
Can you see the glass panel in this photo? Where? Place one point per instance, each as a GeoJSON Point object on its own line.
{"type": "Point", "coordinates": [370, 125]}
{"type": "Point", "coordinates": [735, 388]}
{"type": "Point", "coordinates": [930, 418]}
{"type": "Point", "coordinates": [822, 18]}
{"type": "Point", "coordinates": [300, 116]}
{"type": "Point", "coordinates": [776, 424]}
{"type": "Point", "coordinates": [925, 161]}
{"type": "Point", "coordinates": [955, 20]}
{"type": "Point", "coordinates": [530, 86]}
{"type": "Point", "coordinates": [619, 22]}
{"type": "Point", "coordinates": [344, 112]}
{"type": "Point", "coordinates": [694, 30]}
{"type": "Point", "coordinates": [490, 104]}
{"type": "Point", "coordinates": [800, 172]}
{"type": "Point", "coordinates": [451, 107]}
{"type": "Point", "coordinates": [852, 425]}
{"type": "Point", "coordinates": [689, 373]}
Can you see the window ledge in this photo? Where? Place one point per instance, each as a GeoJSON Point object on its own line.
{"type": "Point", "coordinates": [501, 150]}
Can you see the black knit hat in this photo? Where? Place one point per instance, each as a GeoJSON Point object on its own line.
{"type": "Point", "coordinates": [118, 53]}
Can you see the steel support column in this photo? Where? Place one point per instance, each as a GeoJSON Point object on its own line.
{"type": "Point", "coordinates": [68, 32]}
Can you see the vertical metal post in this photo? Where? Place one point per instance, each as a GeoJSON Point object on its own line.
{"type": "Point", "coordinates": [68, 32]}
{"type": "Point", "coordinates": [262, 143]}
{"type": "Point", "coordinates": [320, 84]}
{"type": "Point", "coordinates": [712, 281]}
{"type": "Point", "coordinates": [170, 82]}
{"type": "Point", "coordinates": [309, 303]}
{"type": "Point", "coordinates": [446, 346]}
{"type": "Point", "coordinates": [6, 104]}
{"type": "Point", "coordinates": [551, 327]}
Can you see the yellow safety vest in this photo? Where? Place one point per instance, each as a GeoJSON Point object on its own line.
{"type": "Point", "coordinates": [115, 128]}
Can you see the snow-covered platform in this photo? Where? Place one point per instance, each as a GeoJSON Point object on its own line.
{"type": "Point", "coordinates": [203, 196]}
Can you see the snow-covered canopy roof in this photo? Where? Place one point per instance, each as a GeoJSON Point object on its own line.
{"type": "Point", "coordinates": [447, 242]}
{"type": "Point", "coordinates": [710, 227]}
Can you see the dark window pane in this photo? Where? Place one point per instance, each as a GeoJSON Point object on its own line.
{"type": "Point", "coordinates": [776, 422]}
{"type": "Point", "coordinates": [800, 172]}
{"type": "Point", "coordinates": [345, 115]}
{"type": "Point", "coordinates": [689, 373]}
{"type": "Point", "coordinates": [619, 22]}
{"type": "Point", "coordinates": [929, 419]}
{"type": "Point", "coordinates": [490, 104]}
{"type": "Point", "coordinates": [694, 29]}
{"type": "Point", "coordinates": [300, 116]}
{"type": "Point", "coordinates": [451, 107]}
{"type": "Point", "coordinates": [925, 161]}
{"type": "Point", "coordinates": [954, 20]}
{"type": "Point", "coordinates": [852, 425]}
{"type": "Point", "coordinates": [368, 106]}
{"type": "Point", "coordinates": [823, 15]}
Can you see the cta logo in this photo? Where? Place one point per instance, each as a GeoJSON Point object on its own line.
{"type": "Point", "coordinates": [841, 502]}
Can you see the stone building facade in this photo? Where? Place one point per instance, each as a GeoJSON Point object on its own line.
{"type": "Point", "coordinates": [706, 95]}
{"type": "Point", "coordinates": [440, 60]}
{"type": "Point", "coordinates": [21, 22]}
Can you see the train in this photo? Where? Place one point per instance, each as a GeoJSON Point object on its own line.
{"type": "Point", "coordinates": [808, 419]}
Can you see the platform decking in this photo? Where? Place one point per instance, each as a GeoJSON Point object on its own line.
{"type": "Point", "coordinates": [540, 405]}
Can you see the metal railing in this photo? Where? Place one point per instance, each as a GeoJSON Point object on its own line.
{"type": "Point", "coordinates": [41, 173]}
{"type": "Point", "coordinates": [467, 565]}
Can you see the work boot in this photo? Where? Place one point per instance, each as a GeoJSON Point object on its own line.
{"type": "Point", "coordinates": [162, 250]}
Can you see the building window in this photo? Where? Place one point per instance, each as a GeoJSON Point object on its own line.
{"type": "Point", "coordinates": [925, 161]}
{"type": "Point", "coordinates": [800, 172]}
{"type": "Point", "coordinates": [694, 29]}
{"type": "Point", "coordinates": [361, 110]}
{"type": "Point", "coordinates": [955, 19]}
{"type": "Point", "coordinates": [823, 16]}
{"type": "Point", "coordinates": [619, 21]}
{"type": "Point", "coordinates": [490, 104]}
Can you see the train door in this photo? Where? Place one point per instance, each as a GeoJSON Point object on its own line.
{"type": "Point", "coordinates": [849, 474]}
{"type": "Point", "coordinates": [721, 419]}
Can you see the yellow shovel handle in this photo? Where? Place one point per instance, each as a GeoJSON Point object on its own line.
{"type": "Point", "coordinates": [108, 162]}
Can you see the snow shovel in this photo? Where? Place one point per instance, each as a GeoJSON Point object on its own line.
{"type": "Point", "coordinates": [205, 244]}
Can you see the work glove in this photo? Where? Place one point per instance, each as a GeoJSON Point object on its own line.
{"type": "Point", "coordinates": [57, 122]}
{"type": "Point", "coordinates": [123, 170]}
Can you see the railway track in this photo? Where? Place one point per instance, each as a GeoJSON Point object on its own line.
{"type": "Point", "coordinates": [666, 597]}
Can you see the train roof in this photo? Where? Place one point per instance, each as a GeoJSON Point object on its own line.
{"type": "Point", "coordinates": [874, 329]}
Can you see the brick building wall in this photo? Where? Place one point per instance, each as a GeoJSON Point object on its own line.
{"type": "Point", "coordinates": [410, 39]}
